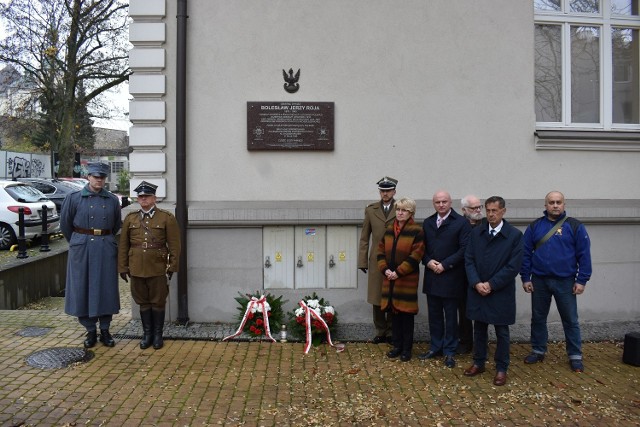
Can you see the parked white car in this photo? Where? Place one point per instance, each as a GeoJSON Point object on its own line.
{"type": "Point", "coordinates": [13, 196]}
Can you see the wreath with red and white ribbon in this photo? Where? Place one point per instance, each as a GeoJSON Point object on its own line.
{"type": "Point", "coordinates": [255, 305]}
{"type": "Point", "coordinates": [310, 313]}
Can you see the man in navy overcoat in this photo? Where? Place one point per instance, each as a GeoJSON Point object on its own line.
{"type": "Point", "coordinates": [492, 261]}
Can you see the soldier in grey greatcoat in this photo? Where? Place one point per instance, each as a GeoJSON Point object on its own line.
{"type": "Point", "coordinates": [90, 219]}
{"type": "Point", "coordinates": [377, 217]}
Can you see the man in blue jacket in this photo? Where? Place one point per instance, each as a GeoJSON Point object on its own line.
{"type": "Point", "coordinates": [492, 261]}
{"type": "Point", "coordinates": [556, 263]}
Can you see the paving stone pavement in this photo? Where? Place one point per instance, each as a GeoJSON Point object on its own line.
{"type": "Point", "coordinates": [203, 381]}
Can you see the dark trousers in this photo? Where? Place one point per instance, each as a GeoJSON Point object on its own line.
{"type": "Point", "coordinates": [402, 327]}
{"type": "Point", "coordinates": [481, 340]}
{"type": "Point", "coordinates": [382, 321]}
{"type": "Point", "coordinates": [443, 324]}
{"type": "Point", "coordinates": [150, 292]}
{"type": "Point", "coordinates": [90, 322]}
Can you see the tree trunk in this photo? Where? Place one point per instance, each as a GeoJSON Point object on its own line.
{"type": "Point", "coordinates": [66, 142]}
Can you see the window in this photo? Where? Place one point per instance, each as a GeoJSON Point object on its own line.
{"type": "Point", "coordinates": [117, 167]}
{"type": "Point", "coordinates": [587, 68]}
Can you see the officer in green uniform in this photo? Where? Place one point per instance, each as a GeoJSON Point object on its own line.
{"type": "Point", "coordinates": [149, 253]}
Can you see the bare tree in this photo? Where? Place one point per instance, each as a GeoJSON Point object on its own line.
{"type": "Point", "coordinates": [65, 45]}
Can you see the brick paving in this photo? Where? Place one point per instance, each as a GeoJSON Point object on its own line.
{"type": "Point", "coordinates": [204, 382]}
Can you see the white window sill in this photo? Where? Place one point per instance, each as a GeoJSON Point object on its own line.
{"type": "Point", "coordinates": [587, 140]}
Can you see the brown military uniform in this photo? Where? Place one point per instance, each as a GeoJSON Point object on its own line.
{"type": "Point", "coordinates": [149, 248]}
{"type": "Point", "coordinates": [373, 228]}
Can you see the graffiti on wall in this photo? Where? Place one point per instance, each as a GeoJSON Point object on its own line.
{"type": "Point", "coordinates": [19, 167]}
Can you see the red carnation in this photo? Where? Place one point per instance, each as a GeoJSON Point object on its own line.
{"type": "Point", "coordinates": [259, 321]}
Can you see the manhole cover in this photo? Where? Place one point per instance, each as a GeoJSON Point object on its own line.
{"type": "Point", "coordinates": [32, 331]}
{"type": "Point", "coordinates": [57, 358]}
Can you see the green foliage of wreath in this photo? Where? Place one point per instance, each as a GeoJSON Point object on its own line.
{"type": "Point", "coordinates": [297, 321]}
{"type": "Point", "coordinates": [255, 325]}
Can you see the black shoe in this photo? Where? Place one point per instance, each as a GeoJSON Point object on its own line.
{"type": "Point", "coordinates": [92, 339]}
{"type": "Point", "coordinates": [449, 362]}
{"type": "Point", "coordinates": [405, 357]}
{"type": "Point", "coordinates": [379, 339]}
{"type": "Point", "coordinates": [576, 365]}
{"type": "Point", "coordinates": [106, 338]}
{"type": "Point", "coordinates": [533, 358]}
{"type": "Point", "coordinates": [392, 354]}
{"type": "Point", "coordinates": [429, 355]}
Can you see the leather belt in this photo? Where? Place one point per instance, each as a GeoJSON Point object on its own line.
{"type": "Point", "coordinates": [145, 245]}
{"type": "Point", "coordinates": [92, 231]}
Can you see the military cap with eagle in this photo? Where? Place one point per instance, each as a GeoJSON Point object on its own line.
{"type": "Point", "coordinates": [387, 183]}
{"type": "Point", "coordinates": [146, 188]}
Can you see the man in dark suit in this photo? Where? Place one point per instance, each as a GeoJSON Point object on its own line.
{"type": "Point", "coordinates": [446, 233]}
{"type": "Point", "coordinates": [492, 262]}
{"type": "Point", "coordinates": [377, 217]}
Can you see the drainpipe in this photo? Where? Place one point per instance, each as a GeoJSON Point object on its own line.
{"type": "Point", "coordinates": [182, 211]}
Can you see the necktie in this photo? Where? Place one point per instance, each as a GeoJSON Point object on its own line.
{"type": "Point", "coordinates": [386, 210]}
{"type": "Point", "coordinates": [438, 222]}
{"type": "Point", "coordinates": [492, 232]}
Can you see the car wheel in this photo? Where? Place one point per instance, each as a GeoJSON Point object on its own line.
{"type": "Point", "coordinates": [7, 236]}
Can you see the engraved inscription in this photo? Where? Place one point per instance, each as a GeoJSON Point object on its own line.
{"type": "Point", "coordinates": [290, 125]}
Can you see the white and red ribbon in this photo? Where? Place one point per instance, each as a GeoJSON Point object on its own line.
{"type": "Point", "coordinates": [311, 312]}
{"type": "Point", "coordinates": [254, 302]}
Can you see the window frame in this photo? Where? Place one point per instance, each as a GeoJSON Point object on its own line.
{"type": "Point", "coordinates": [117, 164]}
{"type": "Point", "coordinates": [605, 21]}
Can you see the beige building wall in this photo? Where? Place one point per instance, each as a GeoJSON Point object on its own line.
{"type": "Point", "coordinates": [437, 94]}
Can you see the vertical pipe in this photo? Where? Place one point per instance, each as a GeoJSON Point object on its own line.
{"type": "Point", "coordinates": [182, 211]}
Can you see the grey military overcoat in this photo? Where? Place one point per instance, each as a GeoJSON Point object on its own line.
{"type": "Point", "coordinates": [92, 274]}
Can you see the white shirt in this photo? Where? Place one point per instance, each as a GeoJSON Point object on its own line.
{"type": "Point", "coordinates": [498, 228]}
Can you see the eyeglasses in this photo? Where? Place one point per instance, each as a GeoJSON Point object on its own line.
{"type": "Point", "coordinates": [474, 208]}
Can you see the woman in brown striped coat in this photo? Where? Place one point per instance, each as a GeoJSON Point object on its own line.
{"type": "Point", "coordinates": [399, 254]}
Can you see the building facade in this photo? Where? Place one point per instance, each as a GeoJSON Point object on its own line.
{"type": "Point", "coordinates": [509, 98]}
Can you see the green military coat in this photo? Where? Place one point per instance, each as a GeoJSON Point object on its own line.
{"type": "Point", "coordinates": [149, 246]}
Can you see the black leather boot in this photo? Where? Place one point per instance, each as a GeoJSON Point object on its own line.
{"type": "Point", "coordinates": [106, 338]}
{"type": "Point", "coordinates": [147, 329]}
{"type": "Point", "coordinates": [158, 325]}
{"type": "Point", "coordinates": [92, 339]}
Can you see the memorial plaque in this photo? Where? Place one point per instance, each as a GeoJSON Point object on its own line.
{"type": "Point", "coordinates": [290, 125]}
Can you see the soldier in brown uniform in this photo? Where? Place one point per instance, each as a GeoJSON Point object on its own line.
{"type": "Point", "coordinates": [377, 217]}
{"type": "Point", "coordinates": [149, 253]}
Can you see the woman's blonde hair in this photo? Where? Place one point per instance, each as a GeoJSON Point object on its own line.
{"type": "Point", "coordinates": [406, 203]}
